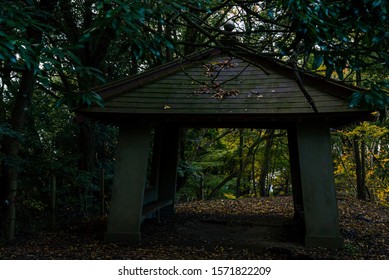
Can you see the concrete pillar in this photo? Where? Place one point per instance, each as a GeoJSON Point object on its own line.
{"type": "Point", "coordinates": [167, 171]}
{"type": "Point", "coordinates": [129, 184]}
{"type": "Point", "coordinates": [317, 184]}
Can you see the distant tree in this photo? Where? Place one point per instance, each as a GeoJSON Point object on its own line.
{"type": "Point", "coordinates": [266, 163]}
{"type": "Point", "coordinates": [65, 48]}
{"type": "Point", "coordinates": [227, 164]}
{"type": "Point", "coordinates": [361, 161]}
{"type": "Point", "coordinates": [22, 33]}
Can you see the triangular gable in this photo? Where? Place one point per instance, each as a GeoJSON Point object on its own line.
{"type": "Point", "coordinates": [213, 83]}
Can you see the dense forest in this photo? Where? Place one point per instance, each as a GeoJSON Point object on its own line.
{"type": "Point", "coordinates": [54, 52]}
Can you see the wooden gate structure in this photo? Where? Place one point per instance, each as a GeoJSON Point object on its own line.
{"type": "Point", "coordinates": [215, 88]}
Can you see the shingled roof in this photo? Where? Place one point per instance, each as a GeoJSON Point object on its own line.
{"type": "Point", "coordinates": [215, 87]}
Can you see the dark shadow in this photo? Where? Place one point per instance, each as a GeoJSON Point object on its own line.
{"type": "Point", "coordinates": [260, 233]}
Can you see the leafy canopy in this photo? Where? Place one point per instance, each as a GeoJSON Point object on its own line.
{"type": "Point", "coordinates": [348, 40]}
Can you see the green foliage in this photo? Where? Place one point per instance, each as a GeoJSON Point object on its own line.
{"type": "Point", "coordinates": [87, 43]}
{"type": "Point", "coordinates": [377, 96]}
{"type": "Point", "coordinates": [69, 50]}
{"type": "Point", "coordinates": [15, 19]}
{"type": "Point", "coordinates": [375, 138]}
{"type": "Point", "coordinates": [214, 153]}
{"type": "Point", "coordinates": [33, 204]}
{"type": "Point", "coordinates": [334, 38]}
{"type": "Point", "coordinates": [88, 98]}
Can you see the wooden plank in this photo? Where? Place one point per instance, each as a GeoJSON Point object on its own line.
{"type": "Point", "coordinates": [239, 101]}
{"type": "Point", "coordinates": [209, 98]}
{"type": "Point", "coordinates": [262, 88]}
{"type": "Point", "coordinates": [191, 111]}
{"type": "Point", "coordinates": [213, 106]}
{"type": "Point", "coordinates": [242, 74]}
{"type": "Point", "coordinates": [241, 70]}
{"type": "Point", "coordinates": [212, 103]}
{"type": "Point", "coordinates": [221, 104]}
{"type": "Point", "coordinates": [219, 110]}
{"type": "Point", "coordinates": [331, 109]}
{"type": "Point", "coordinates": [242, 95]}
{"type": "Point", "coordinates": [234, 82]}
{"type": "Point", "coordinates": [191, 95]}
{"type": "Point", "coordinates": [205, 99]}
{"type": "Point", "coordinates": [254, 78]}
{"type": "Point", "coordinates": [239, 86]}
{"type": "Point", "coordinates": [194, 91]}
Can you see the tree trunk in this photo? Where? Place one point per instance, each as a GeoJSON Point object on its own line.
{"type": "Point", "coordinates": [359, 156]}
{"type": "Point", "coordinates": [92, 54]}
{"type": "Point", "coordinates": [18, 117]}
{"type": "Point", "coordinates": [253, 185]}
{"type": "Point", "coordinates": [218, 187]}
{"type": "Point", "coordinates": [250, 151]}
{"type": "Point", "coordinates": [11, 147]}
{"type": "Point", "coordinates": [240, 172]}
{"type": "Point", "coordinates": [266, 163]}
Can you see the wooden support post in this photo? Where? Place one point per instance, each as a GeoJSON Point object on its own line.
{"type": "Point", "coordinates": [129, 184]}
{"type": "Point", "coordinates": [167, 171]}
{"type": "Point", "coordinates": [313, 143]}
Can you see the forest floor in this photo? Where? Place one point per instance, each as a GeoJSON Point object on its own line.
{"type": "Point", "coordinates": [249, 228]}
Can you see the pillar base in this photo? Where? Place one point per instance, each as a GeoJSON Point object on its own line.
{"type": "Point", "coordinates": [333, 242]}
{"type": "Point", "coordinates": [122, 237]}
